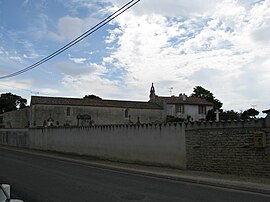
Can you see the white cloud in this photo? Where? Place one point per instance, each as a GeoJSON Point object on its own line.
{"type": "Point", "coordinates": [47, 91]}
{"type": "Point", "coordinates": [170, 7]}
{"type": "Point", "coordinates": [72, 69]}
{"type": "Point", "coordinates": [16, 58]}
{"type": "Point", "coordinates": [16, 84]}
{"type": "Point", "coordinates": [262, 35]}
{"type": "Point", "coordinates": [78, 60]}
{"type": "Point", "coordinates": [68, 28]}
{"type": "Point", "coordinates": [91, 82]}
{"type": "Point", "coordinates": [218, 46]}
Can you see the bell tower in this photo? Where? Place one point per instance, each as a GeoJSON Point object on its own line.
{"type": "Point", "coordinates": [152, 93]}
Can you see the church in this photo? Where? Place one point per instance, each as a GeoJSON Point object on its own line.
{"type": "Point", "coordinates": [77, 112]}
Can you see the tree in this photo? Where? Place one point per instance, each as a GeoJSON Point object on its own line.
{"type": "Point", "coordinates": [10, 102]}
{"type": "Point", "coordinates": [249, 114]}
{"type": "Point", "coordinates": [229, 115]}
{"type": "Point", "coordinates": [201, 92]}
{"type": "Point", "coordinates": [92, 97]}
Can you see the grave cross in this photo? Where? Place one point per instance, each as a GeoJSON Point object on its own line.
{"type": "Point", "coordinates": [217, 112]}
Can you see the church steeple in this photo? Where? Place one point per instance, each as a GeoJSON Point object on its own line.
{"type": "Point", "coordinates": [152, 92]}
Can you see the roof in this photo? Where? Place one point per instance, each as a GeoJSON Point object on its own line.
{"type": "Point", "coordinates": [266, 111]}
{"type": "Point", "coordinates": [92, 102]}
{"type": "Point", "coordinates": [180, 100]}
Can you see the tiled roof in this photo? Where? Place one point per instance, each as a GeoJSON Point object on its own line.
{"type": "Point", "coordinates": [92, 102]}
{"type": "Point", "coordinates": [180, 100]}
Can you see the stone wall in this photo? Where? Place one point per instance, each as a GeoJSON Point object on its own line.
{"type": "Point", "coordinates": [16, 118]}
{"type": "Point", "coordinates": [229, 147]}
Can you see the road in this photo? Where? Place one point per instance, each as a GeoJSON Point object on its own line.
{"type": "Point", "coordinates": [37, 178]}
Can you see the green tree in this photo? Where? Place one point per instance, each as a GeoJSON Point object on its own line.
{"type": "Point", "coordinates": [229, 115]}
{"type": "Point", "coordinates": [92, 97]}
{"type": "Point", "coordinates": [201, 92]}
{"type": "Point", "coordinates": [249, 114]}
{"type": "Point", "coordinates": [10, 102]}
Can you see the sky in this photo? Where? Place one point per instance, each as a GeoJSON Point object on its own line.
{"type": "Point", "coordinates": [221, 45]}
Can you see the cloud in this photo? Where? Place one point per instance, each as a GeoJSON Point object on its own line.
{"type": "Point", "coordinates": [10, 61]}
{"type": "Point", "coordinates": [72, 69]}
{"type": "Point", "coordinates": [47, 91]}
{"type": "Point", "coordinates": [68, 28]}
{"type": "Point", "coordinates": [78, 60]}
{"type": "Point", "coordinates": [170, 7]}
{"type": "Point", "coordinates": [16, 58]}
{"type": "Point", "coordinates": [213, 48]}
{"type": "Point", "coordinates": [39, 26]}
{"type": "Point", "coordinates": [16, 84]}
{"type": "Point", "coordinates": [91, 82]}
{"type": "Point", "coordinates": [262, 35]}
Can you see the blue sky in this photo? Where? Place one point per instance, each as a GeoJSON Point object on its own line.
{"type": "Point", "coordinates": [223, 46]}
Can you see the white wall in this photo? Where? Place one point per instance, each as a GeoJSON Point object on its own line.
{"type": "Point", "coordinates": [189, 110]}
{"type": "Point", "coordinates": [148, 144]}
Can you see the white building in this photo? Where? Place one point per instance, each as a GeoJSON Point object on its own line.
{"type": "Point", "coordinates": [182, 106]}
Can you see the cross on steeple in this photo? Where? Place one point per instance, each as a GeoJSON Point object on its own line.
{"type": "Point", "coordinates": [152, 92]}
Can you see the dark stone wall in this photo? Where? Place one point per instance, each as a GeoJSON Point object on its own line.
{"type": "Point", "coordinates": [229, 148]}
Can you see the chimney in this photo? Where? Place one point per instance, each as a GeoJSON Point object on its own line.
{"type": "Point", "coordinates": [183, 96]}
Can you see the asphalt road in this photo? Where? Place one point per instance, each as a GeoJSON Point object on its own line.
{"type": "Point", "coordinates": [37, 178]}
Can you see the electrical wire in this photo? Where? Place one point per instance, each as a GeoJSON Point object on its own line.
{"type": "Point", "coordinates": [76, 40]}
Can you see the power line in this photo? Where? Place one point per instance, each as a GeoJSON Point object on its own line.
{"type": "Point", "coordinates": [76, 40]}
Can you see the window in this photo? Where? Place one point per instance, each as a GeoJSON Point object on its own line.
{"type": "Point", "coordinates": [126, 113]}
{"type": "Point", "coordinates": [202, 109]}
{"type": "Point", "coordinates": [180, 109]}
{"type": "Point", "coordinates": [68, 111]}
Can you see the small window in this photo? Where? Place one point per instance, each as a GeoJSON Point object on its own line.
{"type": "Point", "coordinates": [202, 109]}
{"type": "Point", "coordinates": [68, 111]}
{"type": "Point", "coordinates": [180, 109]}
{"type": "Point", "coordinates": [126, 113]}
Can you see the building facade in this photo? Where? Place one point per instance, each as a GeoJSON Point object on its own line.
{"type": "Point", "coordinates": [63, 111]}
{"type": "Point", "coordinates": [55, 111]}
{"type": "Point", "coordinates": [182, 107]}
